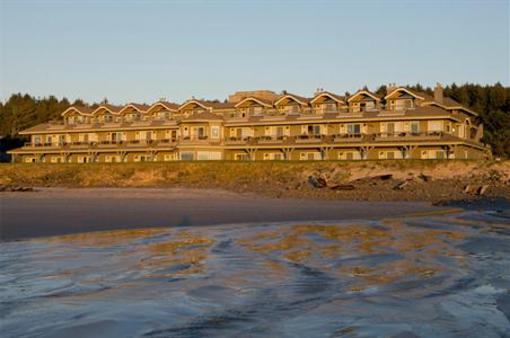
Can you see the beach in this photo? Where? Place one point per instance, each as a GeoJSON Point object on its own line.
{"type": "Point", "coordinates": [58, 211]}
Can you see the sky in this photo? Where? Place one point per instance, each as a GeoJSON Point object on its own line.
{"type": "Point", "coordinates": [141, 51]}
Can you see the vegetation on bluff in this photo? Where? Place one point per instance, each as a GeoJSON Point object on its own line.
{"type": "Point", "coordinates": [492, 102]}
{"type": "Point", "coordinates": [432, 180]}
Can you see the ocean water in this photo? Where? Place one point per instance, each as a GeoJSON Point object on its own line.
{"type": "Point", "coordinates": [429, 276]}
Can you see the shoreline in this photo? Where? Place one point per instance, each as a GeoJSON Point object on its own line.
{"type": "Point", "coordinates": [61, 211]}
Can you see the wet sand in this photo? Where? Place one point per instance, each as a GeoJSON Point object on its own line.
{"type": "Point", "coordinates": [58, 211]}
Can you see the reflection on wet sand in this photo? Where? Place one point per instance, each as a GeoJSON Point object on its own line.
{"type": "Point", "coordinates": [414, 253]}
{"type": "Point", "coordinates": [312, 279]}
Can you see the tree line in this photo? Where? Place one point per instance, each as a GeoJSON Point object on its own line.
{"type": "Point", "coordinates": [492, 102]}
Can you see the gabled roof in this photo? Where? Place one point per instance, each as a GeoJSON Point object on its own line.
{"type": "Point", "coordinates": [82, 110]}
{"type": "Point", "coordinates": [193, 101]}
{"type": "Point", "coordinates": [136, 106]}
{"type": "Point", "coordinates": [254, 99]}
{"type": "Point", "coordinates": [418, 95]}
{"type": "Point", "coordinates": [207, 104]}
{"type": "Point", "coordinates": [170, 106]}
{"type": "Point", "coordinates": [337, 98]}
{"type": "Point", "coordinates": [37, 128]}
{"type": "Point", "coordinates": [430, 110]}
{"type": "Point", "coordinates": [167, 105]}
{"type": "Point", "coordinates": [203, 116]}
{"type": "Point", "coordinates": [450, 105]}
{"type": "Point", "coordinates": [111, 108]}
{"type": "Point", "coordinates": [299, 99]}
{"type": "Point", "coordinates": [363, 92]}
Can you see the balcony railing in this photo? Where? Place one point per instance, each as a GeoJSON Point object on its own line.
{"type": "Point", "coordinates": [239, 140]}
{"type": "Point", "coordinates": [309, 138]}
{"type": "Point", "coordinates": [350, 138]}
{"type": "Point", "coordinates": [432, 135]}
{"type": "Point", "coordinates": [272, 139]}
{"type": "Point", "coordinates": [259, 140]}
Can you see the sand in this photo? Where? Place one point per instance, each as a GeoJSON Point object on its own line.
{"type": "Point", "coordinates": [58, 211]}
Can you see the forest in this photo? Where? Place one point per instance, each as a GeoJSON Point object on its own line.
{"type": "Point", "coordinates": [491, 102]}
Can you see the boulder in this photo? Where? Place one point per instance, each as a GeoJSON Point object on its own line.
{"type": "Point", "coordinates": [317, 182]}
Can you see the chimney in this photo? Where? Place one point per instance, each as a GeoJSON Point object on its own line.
{"type": "Point", "coordinates": [438, 93]}
{"type": "Point", "coordinates": [390, 87]}
{"type": "Point", "coordinates": [318, 91]}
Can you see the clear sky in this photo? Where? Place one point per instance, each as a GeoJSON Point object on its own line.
{"type": "Point", "coordinates": [144, 50]}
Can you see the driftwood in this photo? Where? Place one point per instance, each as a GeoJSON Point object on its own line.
{"type": "Point", "coordinates": [482, 190]}
{"type": "Point", "coordinates": [15, 188]}
{"type": "Point", "coordinates": [401, 185]}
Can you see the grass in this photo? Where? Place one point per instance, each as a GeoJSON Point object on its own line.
{"type": "Point", "coordinates": [239, 176]}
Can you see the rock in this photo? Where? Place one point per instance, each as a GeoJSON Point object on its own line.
{"type": "Point", "coordinates": [467, 189]}
{"type": "Point", "coordinates": [317, 182]}
{"type": "Point", "coordinates": [424, 177]}
{"type": "Point", "coordinates": [482, 190]}
{"type": "Point", "coordinates": [372, 179]}
{"type": "Point", "coordinates": [401, 185]}
{"type": "Point", "coordinates": [384, 177]}
{"type": "Point", "coordinates": [343, 187]}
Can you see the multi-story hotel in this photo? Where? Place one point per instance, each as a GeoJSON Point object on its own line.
{"type": "Point", "coordinates": [262, 125]}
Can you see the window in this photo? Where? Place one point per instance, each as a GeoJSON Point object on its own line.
{"type": "Point", "coordinates": [187, 156]}
{"type": "Point", "coordinates": [415, 127]}
{"type": "Point", "coordinates": [215, 132]}
{"type": "Point", "coordinates": [200, 132]}
{"type": "Point", "coordinates": [349, 155]}
{"type": "Point", "coordinates": [435, 125]}
{"type": "Point", "coordinates": [314, 130]}
{"type": "Point", "coordinates": [114, 137]}
{"type": "Point", "coordinates": [354, 129]}
{"type": "Point", "coordinates": [310, 155]}
{"type": "Point", "coordinates": [241, 157]}
{"type": "Point", "coordinates": [274, 156]}
{"type": "Point", "coordinates": [279, 132]}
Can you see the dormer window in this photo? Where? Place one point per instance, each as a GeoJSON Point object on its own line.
{"type": "Point", "coordinates": [403, 104]}
{"type": "Point", "coordinates": [255, 110]}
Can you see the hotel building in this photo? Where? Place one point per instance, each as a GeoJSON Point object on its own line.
{"type": "Point", "coordinates": [263, 125]}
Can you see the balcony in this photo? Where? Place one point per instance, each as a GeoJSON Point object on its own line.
{"type": "Point", "coordinates": [199, 139]}
{"type": "Point", "coordinates": [350, 138]}
{"type": "Point", "coordinates": [167, 142]}
{"type": "Point", "coordinates": [408, 136]}
{"type": "Point", "coordinates": [272, 139]}
{"type": "Point", "coordinates": [109, 144]}
{"type": "Point", "coordinates": [309, 138]}
{"type": "Point", "coordinates": [238, 140]}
